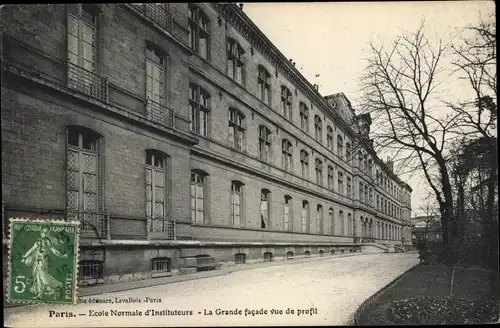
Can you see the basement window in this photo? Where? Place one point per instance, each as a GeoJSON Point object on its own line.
{"type": "Point", "coordinates": [289, 255]}
{"type": "Point", "coordinates": [240, 258]}
{"type": "Point", "coordinates": [268, 257]}
{"type": "Point", "coordinates": [161, 266]}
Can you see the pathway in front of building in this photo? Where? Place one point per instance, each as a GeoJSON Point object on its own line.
{"type": "Point", "coordinates": [325, 292]}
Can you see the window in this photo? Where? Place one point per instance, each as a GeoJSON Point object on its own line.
{"type": "Point", "coordinates": [236, 198]}
{"type": "Point", "coordinates": [286, 155]}
{"type": "Point", "coordinates": [264, 81]}
{"type": "Point", "coordinates": [365, 164]}
{"type": "Point", "coordinates": [361, 192]}
{"type": "Point", "coordinates": [264, 143]}
{"type": "Point", "coordinates": [350, 225]}
{"type": "Point", "coordinates": [330, 177]}
{"type": "Point", "coordinates": [198, 182]}
{"type": "Point", "coordinates": [366, 193]}
{"type": "Point", "coordinates": [81, 48]}
{"type": "Point", "coordinates": [199, 102]}
{"type": "Point", "coordinates": [342, 224]}
{"type": "Point", "coordinates": [198, 31]}
{"type": "Point", "coordinates": [304, 117]}
{"type": "Point", "coordinates": [340, 149]}
{"type": "Point", "coordinates": [304, 163]}
{"type": "Point", "coordinates": [89, 270]}
{"type": "Point", "coordinates": [378, 203]}
{"type": "Point", "coordinates": [240, 258]}
{"type": "Point", "coordinates": [348, 151]}
{"type": "Point", "coordinates": [319, 171]}
{"type": "Point", "coordinates": [287, 220]}
{"type": "Point", "coordinates": [156, 192]}
{"type": "Point", "coordinates": [319, 219]}
{"type": "Point", "coordinates": [268, 257]}
{"type": "Point", "coordinates": [154, 76]}
{"type": "Point", "coordinates": [286, 103]}
{"type": "Point", "coordinates": [305, 216]}
{"type": "Point", "coordinates": [318, 128]}
{"type": "Point", "coordinates": [236, 129]}
{"type": "Point", "coordinates": [370, 167]}
{"type": "Point", "coordinates": [329, 138]}
{"type": "Point", "coordinates": [349, 187]}
{"type": "Point", "coordinates": [235, 64]}
{"type": "Point", "coordinates": [264, 208]}
{"type": "Point", "coordinates": [161, 265]}
{"type": "Point", "coordinates": [341, 182]}
{"type": "Point", "coordinates": [84, 179]}
{"type": "Point", "coordinates": [331, 219]}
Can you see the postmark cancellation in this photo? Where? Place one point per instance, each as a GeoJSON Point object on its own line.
{"type": "Point", "coordinates": [43, 261]}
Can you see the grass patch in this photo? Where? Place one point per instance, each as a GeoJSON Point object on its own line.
{"type": "Point", "coordinates": [422, 296]}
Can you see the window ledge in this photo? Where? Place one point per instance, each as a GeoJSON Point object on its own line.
{"type": "Point", "coordinates": [160, 274]}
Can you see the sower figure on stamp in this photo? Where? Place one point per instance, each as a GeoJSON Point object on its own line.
{"type": "Point", "coordinates": [38, 257]}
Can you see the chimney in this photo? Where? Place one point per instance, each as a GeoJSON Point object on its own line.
{"type": "Point", "coordinates": [390, 164]}
{"type": "Point", "coordinates": [293, 64]}
{"type": "Point", "coordinates": [241, 6]}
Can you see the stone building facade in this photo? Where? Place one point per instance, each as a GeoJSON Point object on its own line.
{"type": "Point", "coordinates": [174, 131]}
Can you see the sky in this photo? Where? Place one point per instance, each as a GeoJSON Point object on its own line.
{"type": "Point", "coordinates": [331, 39]}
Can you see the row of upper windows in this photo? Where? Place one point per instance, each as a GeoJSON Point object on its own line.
{"type": "Point", "coordinates": [81, 36]}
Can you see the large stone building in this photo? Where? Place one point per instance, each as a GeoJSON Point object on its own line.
{"type": "Point", "coordinates": [173, 131]}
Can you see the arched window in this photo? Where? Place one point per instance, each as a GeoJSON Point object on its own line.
{"type": "Point", "coordinates": [198, 186]}
{"type": "Point", "coordinates": [264, 143]}
{"type": "Point", "coordinates": [361, 192]}
{"type": "Point", "coordinates": [319, 219]}
{"type": "Point", "coordinates": [235, 61]}
{"type": "Point", "coordinates": [329, 138]}
{"type": "Point", "coordinates": [370, 165]}
{"type": "Point", "coordinates": [330, 177]}
{"type": "Point", "coordinates": [340, 182]}
{"type": "Point", "coordinates": [286, 155]}
{"type": "Point", "coordinates": [304, 163]}
{"type": "Point", "coordinates": [264, 208]}
{"type": "Point", "coordinates": [304, 117]}
{"type": "Point", "coordinates": [286, 103]}
{"type": "Point", "coordinates": [319, 171]}
{"type": "Point", "coordinates": [305, 216]}
{"type": "Point", "coordinates": [157, 192]}
{"type": "Point", "coordinates": [264, 80]}
{"type": "Point", "coordinates": [340, 145]}
{"type": "Point", "coordinates": [199, 102]}
{"type": "Point", "coordinates": [198, 31]}
{"type": "Point", "coordinates": [350, 225]}
{"type": "Point", "coordinates": [84, 179]}
{"type": "Point", "coordinates": [349, 187]}
{"type": "Point", "coordinates": [378, 202]}
{"type": "Point", "coordinates": [236, 129]}
{"type": "Point", "coordinates": [318, 128]}
{"type": "Point", "coordinates": [331, 220]}
{"type": "Point", "coordinates": [287, 219]}
{"type": "Point", "coordinates": [236, 203]}
{"type": "Point", "coordinates": [342, 223]}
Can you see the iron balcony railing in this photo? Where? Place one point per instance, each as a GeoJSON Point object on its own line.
{"type": "Point", "coordinates": [87, 82]}
{"type": "Point", "coordinates": [157, 13]}
{"type": "Point", "coordinates": [92, 224]}
{"type": "Point", "coordinates": [162, 225]}
{"type": "Point", "coordinates": [157, 113]}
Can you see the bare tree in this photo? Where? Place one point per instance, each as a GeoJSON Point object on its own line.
{"type": "Point", "coordinates": [400, 91]}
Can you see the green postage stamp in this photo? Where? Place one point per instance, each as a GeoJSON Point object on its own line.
{"type": "Point", "coordinates": [43, 261]}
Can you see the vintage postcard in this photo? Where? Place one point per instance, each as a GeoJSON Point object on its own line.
{"type": "Point", "coordinates": [249, 164]}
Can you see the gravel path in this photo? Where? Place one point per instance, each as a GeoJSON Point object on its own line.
{"type": "Point", "coordinates": [323, 292]}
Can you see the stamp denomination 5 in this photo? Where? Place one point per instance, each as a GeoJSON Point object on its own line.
{"type": "Point", "coordinates": [43, 261]}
